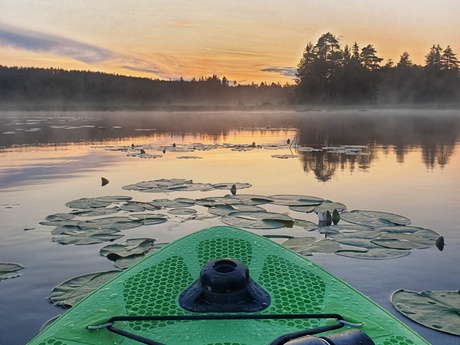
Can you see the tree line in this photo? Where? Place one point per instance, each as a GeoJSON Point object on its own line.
{"type": "Point", "coordinates": [50, 87]}
{"type": "Point", "coordinates": [330, 73]}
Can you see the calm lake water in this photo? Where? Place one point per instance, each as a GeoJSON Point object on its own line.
{"type": "Point", "coordinates": [405, 162]}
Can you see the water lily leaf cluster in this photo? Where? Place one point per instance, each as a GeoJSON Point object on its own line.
{"type": "Point", "coordinates": [171, 185]}
{"type": "Point", "coordinates": [372, 241]}
{"type": "Point", "coordinates": [438, 310]}
{"type": "Point", "coordinates": [9, 270]}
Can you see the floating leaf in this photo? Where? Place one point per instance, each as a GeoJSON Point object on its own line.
{"type": "Point", "coordinates": [303, 209]}
{"type": "Point", "coordinates": [330, 206]}
{"type": "Point", "coordinates": [183, 211]}
{"type": "Point", "coordinates": [9, 270]}
{"type": "Point", "coordinates": [103, 201]}
{"type": "Point", "coordinates": [95, 212]}
{"type": "Point", "coordinates": [249, 199]}
{"type": "Point", "coordinates": [364, 249]}
{"type": "Point", "coordinates": [73, 290]}
{"type": "Point", "coordinates": [111, 223]}
{"type": "Point", "coordinates": [296, 200]}
{"type": "Point", "coordinates": [438, 310]}
{"type": "Point", "coordinates": [307, 246]}
{"type": "Point", "coordinates": [374, 218]}
{"type": "Point", "coordinates": [307, 225]}
{"type": "Point", "coordinates": [223, 210]}
{"type": "Point", "coordinates": [127, 261]}
{"type": "Point", "coordinates": [258, 220]}
{"type": "Point", "coordinates": [133, 246]}
{"type": "Point", "coordinates": [80, 237]}
{"type": "Point", "coordinates": [150, 218]}
{"type": "Point", "coordinates": [168, 185]}
{"type": "Point", "coordinates": [175, 203]}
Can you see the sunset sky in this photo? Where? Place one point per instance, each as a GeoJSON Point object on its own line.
{"type": "Point", "coordinates": [246, 41]}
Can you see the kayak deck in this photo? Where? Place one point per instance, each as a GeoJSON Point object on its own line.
{"type": "Point", "coordinates": [152, 287]}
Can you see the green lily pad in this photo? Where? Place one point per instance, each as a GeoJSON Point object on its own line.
{"type": "Point", "coordinates": [438, 310]}
{"type": "Point", "coordinates": [138, 206]}
{"type": "Point", "coordinates": [102, 201]}
{"type": "Point", "coordinates": [111, 223]}
{"type": "Point", "coordinates": [258, 220]}
{"type": "Point", "coordinates": [126, 262]}
{"type": "Point", "coordinates": [175, 203]}
{"type": "Point", "coordinates": [374, 218]}
{"type": "Point", "coordinates": [182, 211]}
{"type": "Point", "coordinates": [95, 212]}
{"type": "Point", "coordinates": [168, 185]}
{"type": "Point", "coordinates": [296, 200]}
{"type": "Point", "coordinates": [223, 210]}
{"type": "Point", "coordinates": [133, 246]}
{"type": "Point", "coordinates": [149, 218]}
{"type": "Point", "coordinates": [228, 186]}
{"type": "Point", "coordinates": [302, 209]}
{"type": "Point", "coordinates": [249, 199]}
{"type": "Point", "coordinates": [330, 206]}
{"type": "Point", "coordinates": [306, 224]}
{"type": "Point", "coordinates": [305, 245]}
{"type": "Point", "coordinates": [79, 237]}
{"type": "Point", "coordinates": [364, 249]}
{"type": "Point", "coordinates": [349, 231]}
{"type": "Point", "coordinates": [9, 270]}
{"type": "Point", "coordinates": [217, 201]}
{"type": "Point", "coordinates": [406, 237]}
{"type": "Point", "coordinates": [73, 290]}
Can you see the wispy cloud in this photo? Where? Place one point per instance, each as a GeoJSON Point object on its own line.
{"type": "Point", "coordinates": [41, 42]}
{"type": "Point", "coordinates": [284, 71]}
{"type": "Point", "coordinates": [19, 38]}
{"type": "Point", "coordinates": [242, 52]}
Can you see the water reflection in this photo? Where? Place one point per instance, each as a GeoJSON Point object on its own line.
{"type": "Point", "coordinates": [435, 132]}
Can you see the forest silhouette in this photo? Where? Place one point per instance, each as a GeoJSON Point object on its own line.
{"type": "Point", "coordinates": [327, 74]}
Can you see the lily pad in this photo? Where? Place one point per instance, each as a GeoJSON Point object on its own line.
{"type": "Point", "coordinates": [249, 199]}
{"type": "Point", "coordinates": [306, 224]}
{"type": "Point", "coordinates": [330, 206]}
{"type": "Point", "coordinates": [349, 231]}
{"type": "Point", "coordinates": [95, 212]}
{"type": "Point", "coordinates": [168, 185]}
{"type": "Point", "coordinates": [303, 209]}
{"type": "Point", "coordinates": [304, 245]}
{"type": "Point", "coordinates": [79, 237]}
{"type": "Point", "coordinates": [103, 201]}
{"type": "Point", "coordinates": [438, 310]}
{"type": "Point", "coordinates": [406, 237]}
{"type": "Point", "coordinates": [73, 290]}
{"type": "Point", "coordinates": [175, 203]}
{"type": "Point", "coordinates": [296, 200]}
{"type": "Point", "coordinates": [223, 210]}
{"type": "Point", "coordinates": [9, 270]}
{"type": "Point", "coordinates": [228, 186]}
{"type": "Point", "coordinates": [132, 246]}
{"type": "Point", "coordinates": [183, 211]}
{"type": "Point", "coordinates": [374, 218]}
{"type": "Point", "coordinates": [125, 262]}
{"type": "Point", "coordinates": [364, 249]}
{"type": "Point", "coordinates": [258, 220]}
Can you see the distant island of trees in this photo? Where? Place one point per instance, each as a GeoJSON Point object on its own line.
{"type": "Point", "coordinates": [327, 74]}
